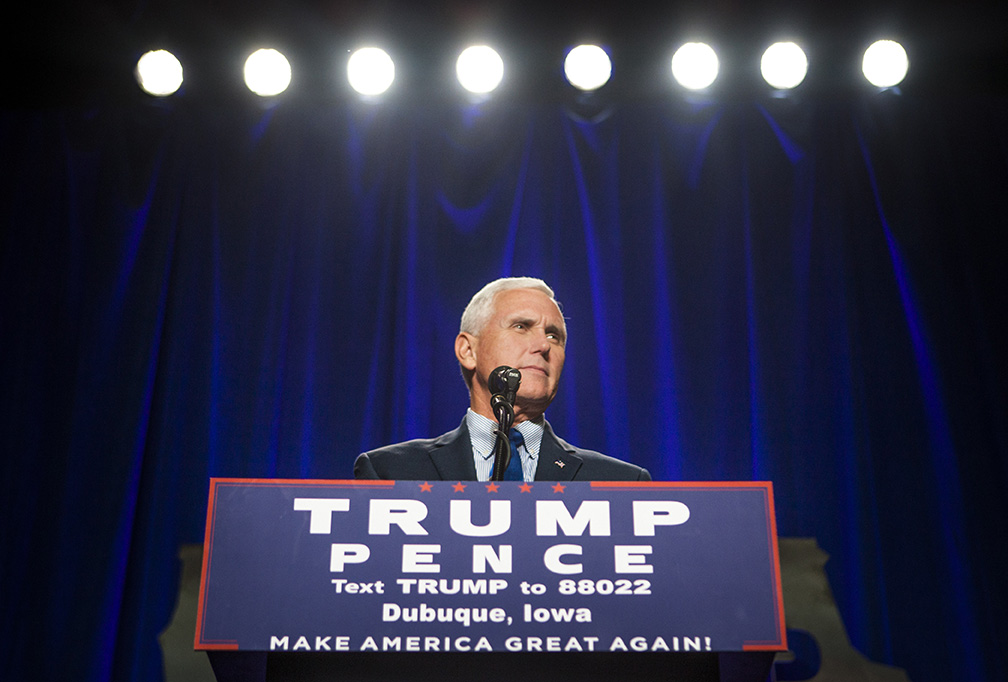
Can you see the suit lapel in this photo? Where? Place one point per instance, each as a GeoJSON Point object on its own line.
{"type": "Point", "coordinates": [453, 456]}
{"type": "Point", "coordinates": [557, 460]}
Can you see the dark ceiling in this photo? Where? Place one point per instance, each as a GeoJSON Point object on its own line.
{"type": "Point", "coordinates": [86, 50]}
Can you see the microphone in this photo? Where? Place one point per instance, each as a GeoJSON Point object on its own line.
{"type": "Point", "coordinates": [504, 381]}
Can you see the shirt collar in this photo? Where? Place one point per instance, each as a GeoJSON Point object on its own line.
{"type": "Point", "coordinates": [482, 432]}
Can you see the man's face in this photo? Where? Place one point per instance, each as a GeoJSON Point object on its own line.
{"type": "Point", "coordinates": [526, 332]}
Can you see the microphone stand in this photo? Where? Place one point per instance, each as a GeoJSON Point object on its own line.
{"type": "Point", "coordinates": [503, 383]}
{"type": "Point", "coordinates": [502, 446]}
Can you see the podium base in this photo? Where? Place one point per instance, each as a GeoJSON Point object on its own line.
{"type": "Point", "coordinates": [506, 667]}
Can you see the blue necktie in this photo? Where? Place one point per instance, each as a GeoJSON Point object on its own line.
{"type": "Point", "coordinates": [514, 468]}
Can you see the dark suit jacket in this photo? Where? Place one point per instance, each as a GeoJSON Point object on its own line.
{"type": "Point", "coordinates": [450, 458]}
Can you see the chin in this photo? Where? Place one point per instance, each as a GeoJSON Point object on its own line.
{"type": "Point", "coordinates": [536, 400]}
{"type": "Point", "coordinates": [535, 396]}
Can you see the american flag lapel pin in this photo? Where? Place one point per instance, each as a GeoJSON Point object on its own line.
{"type": "Point", "coordinates": [560, 464]}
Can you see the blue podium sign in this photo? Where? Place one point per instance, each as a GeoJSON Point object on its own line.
{"type": "Point", "coordinates": [305, 565]}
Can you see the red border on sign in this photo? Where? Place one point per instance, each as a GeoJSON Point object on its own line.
{"type": "Point", "coordinates": [779, 644]}
{"type": "Point", "coordinates": [230, 645]}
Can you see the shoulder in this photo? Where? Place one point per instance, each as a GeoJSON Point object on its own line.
{"type": "Point", "coordinates": [417, 459]}
{"type": "Point", "coordinates": [598, 467]}
{"type": "Point", "coordinates": [595, 466]}
{"type": "Point", "coordinates": [404, 460]}
{"type": "Point", "coordinates": [406, 448]}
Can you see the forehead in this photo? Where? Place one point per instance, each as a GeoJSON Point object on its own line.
{"type": "Point", "coordinates": [527, 302]}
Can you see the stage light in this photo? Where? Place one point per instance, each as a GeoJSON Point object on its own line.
{"type": "Point", "coordinates": [267, 72]}
{"type": "Point", "coordinates": [587, 67]}
{"type": "Point", "coordinates": [159, 73]}
{"type": "Point", "coordinates": [695, 66]}
{"type": "Point", "coordinates": [370, 71]}
{"type": "Point", "coordinates": [479, 69]}
{"type": "Point", "coordinates": [885, 64]}
{"type": "Point", "coordinates": [784, 65]}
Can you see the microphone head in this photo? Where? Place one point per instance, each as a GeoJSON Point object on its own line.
{"type": "Point", "coordinates": [505, 380]}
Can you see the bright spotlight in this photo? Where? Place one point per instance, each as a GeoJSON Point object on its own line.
{"type": "Point", "coordinates": [784, 65]}
{"type": "Point", "coordinates": [370, 71]}
{"type": "Point", "coordinates": [479, 69]}
{"type": "Point", "coordinates": [267, 72]}
{"type": "Point", "coordinates": [159, 73]}
{"type": "Point", "coordinates": [885, 64]}
{"type": "Point", "coordinates": [695, 66]}
{"type": "Point", "coordinates": [587, 67]}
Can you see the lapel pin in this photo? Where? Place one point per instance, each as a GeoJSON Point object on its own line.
{"type": "Point", "coordinates": [560, 464]}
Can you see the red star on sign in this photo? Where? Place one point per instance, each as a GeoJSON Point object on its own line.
{"type": "Point", "coordinates": [558, 488]}
{"type": "Point", "coordinates": [425, 486]}
{"type": "Point", "coordinates": [492, 487]}
{"type": "Point", "coordinates": [525, 488]}
{"type": "Point", "coordinates": [459, 487]}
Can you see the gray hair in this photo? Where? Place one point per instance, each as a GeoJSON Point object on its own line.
{"type": "Point", "coordinates": [481, 306]}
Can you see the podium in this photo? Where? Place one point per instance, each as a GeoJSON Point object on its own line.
{"type": "Point", "coordinates": [416, 580]}
{"type": "Point", "coordinates": [494, 667]}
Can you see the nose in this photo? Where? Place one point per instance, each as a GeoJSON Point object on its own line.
{"type": "Point", "coordinates": [541, 344]}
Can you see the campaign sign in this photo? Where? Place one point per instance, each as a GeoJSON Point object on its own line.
{"type": "Point", "coordinates": [303, 565]}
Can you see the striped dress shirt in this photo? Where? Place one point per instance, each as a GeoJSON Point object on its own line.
{"type": "Point", "coordinates": [482, 434]}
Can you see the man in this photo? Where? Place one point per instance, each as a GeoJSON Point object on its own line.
{"type": "Point", "coordinates": [517, 322]}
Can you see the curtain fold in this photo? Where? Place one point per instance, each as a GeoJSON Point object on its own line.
{"type": "Point", "coordinates": [809, 292]}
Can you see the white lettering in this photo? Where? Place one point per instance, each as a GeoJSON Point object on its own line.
{"type": "Point", "coordinates": [420, 558]}
{"type": "Point", "coordinates": [650, 513]}
{"type": "Point", "coordinates": [630, 558]}
{"type": "Point", "coordinates": [342, 554]}
{"type": "Point", "coordinates": [407, 514]}
{"type": "Point", "coordinates": [423, 613]}
{"type": "Point", "coordinates": [321, 508]}
{"type": "Point", "coordinates": [591, 514]}
{"type": "Point", "coordinates": [552, 644]}
{"type": "Point", "coordinates": [484, 555]}
{"type": "Point", "coordinates": [551, 558]}
{"type": "Point", "coordinates": [460, 519]}
{"type": "Point", "coordinates": [443, 586]}
{"type": "Point", "coordinates": [556, 615]}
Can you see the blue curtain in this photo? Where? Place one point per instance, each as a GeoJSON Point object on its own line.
{"type": "Point", "coordinates": [811, 292]}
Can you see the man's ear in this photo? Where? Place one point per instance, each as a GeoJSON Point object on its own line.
{"type": "Point", "coordinates": [465, 350]}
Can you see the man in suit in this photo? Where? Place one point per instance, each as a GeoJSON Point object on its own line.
{"type": "Point", "coordinates": [514, 321]}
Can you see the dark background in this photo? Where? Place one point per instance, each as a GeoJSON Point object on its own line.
{"type": "Point", "coordinates": [806, 289]}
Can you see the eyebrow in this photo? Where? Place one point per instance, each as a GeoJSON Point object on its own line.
{"type": "Point", "coordinates": [530, 321]}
